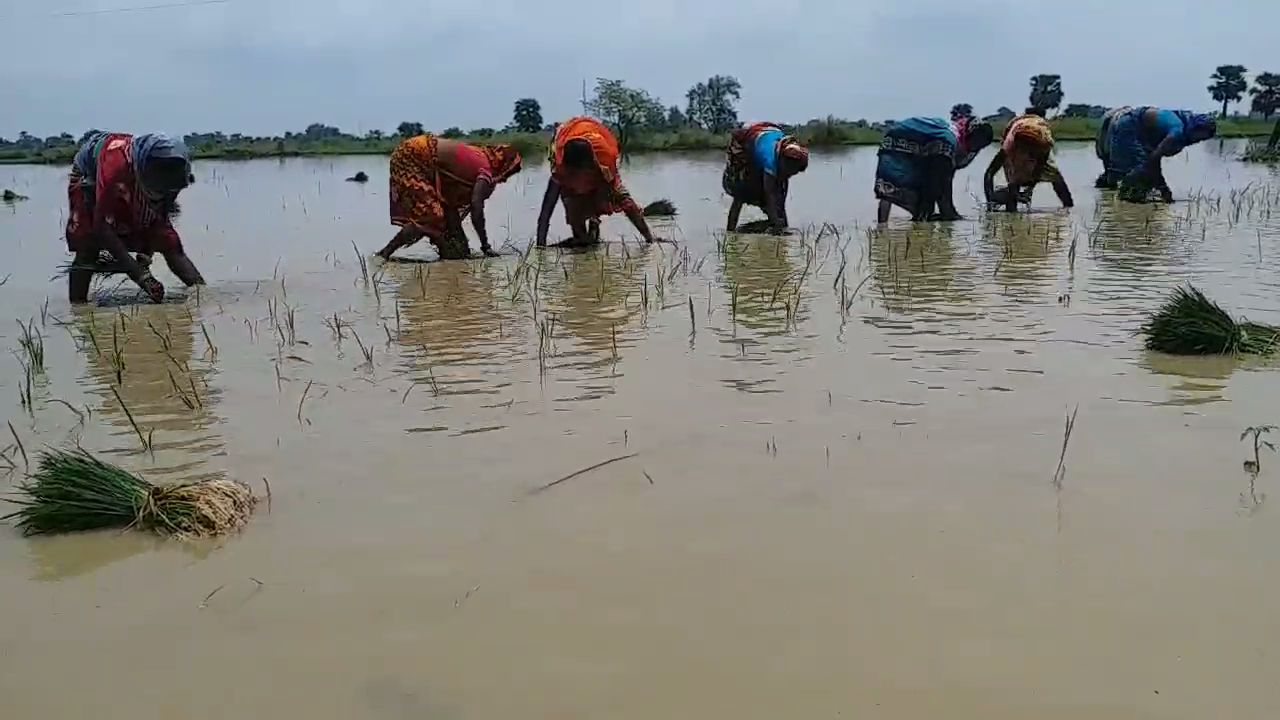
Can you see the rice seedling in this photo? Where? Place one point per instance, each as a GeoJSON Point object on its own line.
{"type": "Point", "coordinates": [80, 417]}
{"type": "Point", "coordinates": [431, 380]}
{"type": "Point", "coordinates": [367, 352]}
{"type": "Point", "coordinates": [208, 341]}
{"type": "Point", "coordinates": [1060, 474]}
{"type": "Point", "coordinates": [75, 492]}
{"type": "Point", "coordinates": [733, 303]}
{"type": "Point", "coordinates": [165, 343]}
{"type": "Point", "coordinates": [364, 264]}
{"type": "Point", "coordinates": [335, 325]}
{"type": "Point", "coordinates": [18, 441]}
{"type": "Point", "coordinates": [146, 444]}
{"type": "Point", "coordinates": [182, 395]}
{"type": "Point", "coordinates": [1256, 434]}
{"type": "Point", "coordinates": [303, 399]}
{"type": "Point", "coordinates": [1191, 324]}
{"type": "Point", "coordinates": [24, 389]}
{"type": "Point", "coordinates": [32, 344]}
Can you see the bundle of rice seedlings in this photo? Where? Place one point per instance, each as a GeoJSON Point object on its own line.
{"type": "Point", "coordinates": [1191, 324]}
{"type": "Point", "coordinates": [75, 491]}
{"type": "Point", "coordinates": [660, 208]}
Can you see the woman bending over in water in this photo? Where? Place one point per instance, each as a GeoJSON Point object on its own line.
{"type": "Point", "coordinates": [436, 183]}
{"type": "Point", "coordinates": [762, 160]}
{"type": "Point", "coordinates": [1133, 141]}
{"type": "Point", "coordinates": [918, 160]}
{"type": "Point", "coordinates": [1026, 156]}
{"type": "Point", "coordinates": [584, 176]}
{"type": "Point", "coordinates": [123, 193]}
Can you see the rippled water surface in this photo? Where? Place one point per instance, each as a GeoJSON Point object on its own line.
{"type": "Point", "coordinates": [839, 501]}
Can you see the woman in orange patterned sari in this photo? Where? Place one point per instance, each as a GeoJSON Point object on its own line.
{"type": "Point", "coordinates": [435, 183]}
{"type": "Point", "coordinates": [584, 174]}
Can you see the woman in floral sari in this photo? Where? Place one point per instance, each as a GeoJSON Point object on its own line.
{"type": "Point", "coordinates": [436, 183]}
{"type": "Point", "coordinates": [584, 176]}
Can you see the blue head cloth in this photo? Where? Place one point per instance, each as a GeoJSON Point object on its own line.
{"type": "Point", "coordinates": [157, 146]}
{"type": "Point", "coordinates": [1196, 127]}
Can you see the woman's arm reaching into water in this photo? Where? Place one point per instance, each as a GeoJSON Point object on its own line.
{"type": "Point", "coordinates": [180, 264]}
{"type": "Point", "coordinates": [735, 212]}
{"type": "Point", "coordinates": [549, 200]}
{"type": "Point", "coordinates": [636, 216]}
{"type": "Point", "coordinates": [1171, 145]}
{"type": "Point", "coordinates": [479, 194]}
{"type": "Point", "coordinates": [989, 177]}
{"type": "Point", "coordinates": [774, 202]}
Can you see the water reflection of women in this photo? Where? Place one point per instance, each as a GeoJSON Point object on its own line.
{"type": "Point", "coordinates": [588, 294]}
{"type": "Point", "coordinates": [757, 272]}
{"type": "Point", "coordinates": [919, 264]}
{"type": "Point", "coordinates": [1025, 244]}
{"type": "Point", "coordinates": [451, 310]}
{"type": "Point", "coordinates": [148, 355]}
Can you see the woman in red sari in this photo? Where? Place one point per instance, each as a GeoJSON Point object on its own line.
{"type": "Point", "coordinates": [436, 183]}
{"type": "Point", "coordinates": [584, 175]}
{"type": "Point", "coordinates": [123, 194]}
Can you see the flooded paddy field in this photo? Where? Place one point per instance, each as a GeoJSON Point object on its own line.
{"type": "Point", "coordinates": [836, 496]}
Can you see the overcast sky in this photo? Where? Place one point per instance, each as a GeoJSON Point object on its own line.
{"type": "Point", "coordinates": [266, 66]}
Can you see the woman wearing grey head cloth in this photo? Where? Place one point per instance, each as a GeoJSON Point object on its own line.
{"type": "Point", "coordinates": [123, 193]}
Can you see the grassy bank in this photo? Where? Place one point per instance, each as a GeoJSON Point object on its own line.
{"type": "Point", "coordinates": [829, 133]}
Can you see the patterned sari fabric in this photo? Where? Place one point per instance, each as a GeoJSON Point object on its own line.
{"type": "Point", "coordinates": [426, 195]}
{"type": "Point", "coordinates": [1028, 148]}
{"type": "Point", "coordinates": [913, 155]}
{"type": "Point", "coordinates": [105, 190]}
{"type": "Point", "coordinates": [1102, 146]}
{"type": "Point", "coordinates": [743, 178]}
{"type": "Point", "coordinates": [587, 196]}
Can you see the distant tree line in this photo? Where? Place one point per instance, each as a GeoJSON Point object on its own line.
{"type": "Point", "coordinates": [640, 120]}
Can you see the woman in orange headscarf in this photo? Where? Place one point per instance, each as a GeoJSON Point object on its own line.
{"type": "Point", "coordinates": [584, 174]}
{"type": "Point", "coordinates": [435, 183]}
{"type": "Point", "coordinates": [1026, 156]}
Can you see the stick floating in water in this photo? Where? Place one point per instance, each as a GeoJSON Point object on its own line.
{"type": "Point", "coordinates": [583, 471]}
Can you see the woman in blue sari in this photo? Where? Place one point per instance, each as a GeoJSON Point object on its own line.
{"type": "Point", "coordinates": [1133, 141]}
{"type": "Point", "coordinates": [918, 160]}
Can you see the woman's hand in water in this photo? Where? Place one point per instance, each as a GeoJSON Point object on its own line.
{"type": "Point", "coordinates": [152, 287]}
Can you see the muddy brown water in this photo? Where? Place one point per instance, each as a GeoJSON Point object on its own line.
{"type": "Point", "coordinates": [841, 502]}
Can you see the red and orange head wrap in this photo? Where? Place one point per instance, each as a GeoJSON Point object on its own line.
{"type": "Point", "coordinates": [791, 149]}
{"type": "Point", "coordinates": [504, 161]}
